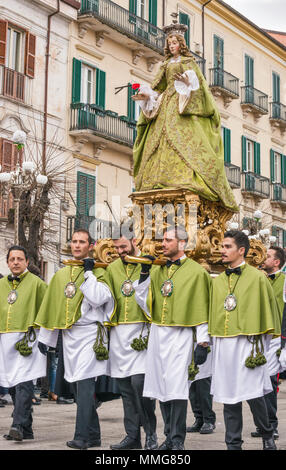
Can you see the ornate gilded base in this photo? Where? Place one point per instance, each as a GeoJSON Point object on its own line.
{"type": "Point", "coordinates": [204, 221]}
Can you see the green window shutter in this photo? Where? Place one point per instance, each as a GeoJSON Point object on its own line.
{"type": "Point", "coordinates": [243, 149]}
{"type": "Point", "coordinates": [284, 238]}
{"type": "Point", "coordinates": [130, 104]}
{"type": "Point", "coordinates": [274, 230]}
{"type": "Point", "coordinates": [227, 144]}
{"type": "Point", "coordinates": [85, 199]}
{"type": "Point", "coordinates": [283, 169]}
{"type": "Point", "coordinates": [249, 76]}
{"type": "Point", "coordinates": [272, 166]}
{"type": "Point", "coordinates": [132, 10]}
{"type": "Point", "coordinates": [153, 12]}
{"type": "Point", "coordinates": [275, 87]}
{"type": "Point", "coordinates": [218, 52]}
{"type": "Point", "coordinates": [257, 158]}
{"type": "Point", "coordinates": [185, 19]}
{"type": "Point", "coordinates": [100, 88]}
{"type": "Point", "coordinates": [76, 80]}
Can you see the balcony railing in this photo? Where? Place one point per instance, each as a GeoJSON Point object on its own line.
{"type": "Point", "coordinates": [255, 184]}
{"type": "Point", "coordinates": [278, 111]}
{"type": "Point", "coordinates": [12, 83]}
{"type": "Point", "coordinates": [224, 80]}
{"type": "Point", "coordinates": [232, 174]}
{"type": "Point", "coordinates": [103, 123]}
{"type": "Point", "coordinates": [278, 193]}
{"type": "Point", "coordinates": [125, 22]}
{"type": "Point", "coordinates": [255, 98]}
{"type": "Point", "coordinates": [97, 228]}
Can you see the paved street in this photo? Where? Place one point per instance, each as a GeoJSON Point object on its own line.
{"type": "Point", "coordinates": [54, 425]}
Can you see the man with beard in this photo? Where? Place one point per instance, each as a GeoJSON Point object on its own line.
{"type": "Point", "coordinates": [176, 296]}
{"type": "Point", "coordinates": [273, 264]}
{"type": "Point", "coordinates": [243, 318]}
{"type": "Point", "coordinates": [129, 327]}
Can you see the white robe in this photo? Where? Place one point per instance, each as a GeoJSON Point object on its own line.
{"type": "Point", "coordinates": [232, 381]}
{"type": "Point", "coordinates": [79, 358]}
{"type": "Point", "coordinates": [169, 355]}
{"type": "Point", "coordinates": [15, 368]}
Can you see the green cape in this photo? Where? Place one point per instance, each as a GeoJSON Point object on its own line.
{"type": "Point", "coordinates": [189, 303]}
{"type": "Point", "coordinates": [57, 311]}
{"type": "Point", "coordinates": [20, 315]}
{"type": "Point", "coordinates": [127, 309]}
{"type": "Point", "coordinates": [277, 285]}
{"type": "Point", "coordinates": [256, 311]}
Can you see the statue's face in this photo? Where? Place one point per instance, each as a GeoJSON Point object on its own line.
{"type": "Point", "coordinates": [174, 45]}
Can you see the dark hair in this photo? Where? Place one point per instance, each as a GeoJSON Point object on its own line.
{"type": "Point", "coordinates": [83, 230]}
{"type": "Point", "coordinates": [279, 254]}
{"type": "Point", "coordinates": [240, 238]}
{"type": "Point", "coordinates": [18, 248]}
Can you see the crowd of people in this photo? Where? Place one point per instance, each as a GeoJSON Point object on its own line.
{"type": "Point", "coordinates": [145, 332]}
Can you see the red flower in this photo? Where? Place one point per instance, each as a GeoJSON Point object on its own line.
{"type": "Point", "coordinates": [135, 86]}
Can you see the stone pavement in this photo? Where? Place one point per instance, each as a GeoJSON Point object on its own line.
{"type": "Point", "coordinates": [54, 425]}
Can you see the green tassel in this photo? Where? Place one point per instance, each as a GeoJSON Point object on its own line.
{"type": "Point", "coordinates": [101, 352]}
{"type": "Point", "coordinates": [141, 343]}
{"type": "Point", "coordinates": [22, 346]}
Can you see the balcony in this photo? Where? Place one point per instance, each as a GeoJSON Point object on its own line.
{"type": "Point", "coordinates": [89, 120]}
{"type": "Point", "coordinates": [232, 174]}
{"type": "Point", "coordinates": [278, 194]}
{"type": "Point", "coordinates": [13, 84]}
{"type": "Point", "coordinates": [278, 115]}
{"type": "Point", "coordinates": [224, 84]}
{"type": "Point", "coordinates": [255, 185]}
{"type": "Point", "coordinates": [253, 101]}
{"type": "Point", "coordinates": [122, 21]}
{"type": "Point", "coordinates": [97, 228]}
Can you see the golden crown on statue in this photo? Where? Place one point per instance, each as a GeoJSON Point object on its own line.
{"type": "Point", "coordinates": [175, 27]}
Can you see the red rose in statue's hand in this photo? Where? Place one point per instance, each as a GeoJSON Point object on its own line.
{"type": "Point", "coordinates": [135, 87]}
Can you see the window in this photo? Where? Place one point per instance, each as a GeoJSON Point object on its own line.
{"type": "Point", "coordinates": [280, 235]}
{"type": "Point", "coordinates": [250, 155]}
{"type": "Point", "coordinates": [277, 167]}
{"type": "Point", "coordinates": [249, 70]}
{"type": "Point", "coordinates": [88, 84]}
{"type": "Point", "coordinates": [9, 156]}
{"type": "Point", "coordinates": [218, 52]}
{"type": "Point", "coordinates": [85, 200]}
{"type": "Point", "coordinates": [275, 87]}
{"type": "Point", "coordinates": [145, 9]}
{"type": "Point", "coordinates": [15, 49]}
{"type": "Point", "coordinates": [185, 19]}
{"type": "Point", "coordinates": [226, 136]}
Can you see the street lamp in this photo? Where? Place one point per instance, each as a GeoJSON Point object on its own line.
{"type": "Point", "coordinates": [21, 179]}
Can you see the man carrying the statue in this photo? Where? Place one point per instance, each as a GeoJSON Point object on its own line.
{"type": "Point", "coordinates": [78, 301]}
{"type": "Point", "coordinates": [176, 297]}
{"type": "Point", "coordinates": [243, 318]}
{"type": "Point", "coordinates": [129, 330]}
{"type": "Point", "coordinates": [21, 294]}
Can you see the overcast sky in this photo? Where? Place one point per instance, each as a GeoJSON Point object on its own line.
{"type": "Point", "coordinates": [267, 14]}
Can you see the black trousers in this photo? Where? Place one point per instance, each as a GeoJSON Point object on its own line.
{"type": "Point", "coordinates": [22, 395]}
{"type": "Point", "coordinates": [87, 426]}
{"type": "Point", "coordinates": [271, 402]}
{"type": "Point", "coordinates": [201, 401]}
{"type": "Point", "coordinates": [233, 421]}
{"type": "Point", "coordinates": [138, 410]}
{"type": "Point", "coordinates": [174, 414]}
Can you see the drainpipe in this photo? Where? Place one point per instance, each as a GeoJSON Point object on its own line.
{"type": "Point", "coordinates": [46, 89]}
{"type": "Point", "coordinates": [203, 32]}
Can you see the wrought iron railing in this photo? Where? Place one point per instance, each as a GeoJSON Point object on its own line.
{"type": "Point", "coordinates": [222, 79]}
{"type": "Point", "coordinates": [254, 97]}
{"type": "Point", "coordinates": [104, 123]}
{"type": "Point", "coordinates": [256, 184]}
{"type": "Point", "coordinates": [126, 22]}
{"type": "Point", "coordinates": [278, 193]}
{"type": "Point", "coordinates": [232, 174]}
{"type": "Point", "coordinates": [278, 111]}
{"type": "Point", "coordinates": [12, 83]}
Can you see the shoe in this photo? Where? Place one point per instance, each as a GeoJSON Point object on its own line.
{"type": "Point", "coordinates": [16, 433]}
{"type": "Point", "coordinates": [275, 434]}
{"type": "Point", "coordinates": [127, 443]}
{"type": "Point", "coordinates": [78, 444]}
{"type": "Point", "coordinates": [52, 396]}
{"type": "Point", "coordinates": [256, 433]}
{"type": "Point", "coordinates": [36, 401]}
{"type": "Point", "coordinates": [178, 446]}
{"type": "Point", "coordinates": [151, 442]}
{"type": "Point", "coordinates": [269, 443]}
{"type": "Point", "coordinates": [207, 428]}
{"type": "Point", "coordinates": [65, 401]}
{"type": "Point", "coordinates": [196, 427]}
{"type": "Point", "coordinates": [166, 445]}
{"type": "Point", "coordinates": [95, 443]}
{"type": "Point", "coordinates": [25, 437]}
{"type": "Point", "coordinates": [44, 395]}
{"type": "Point", "coordinates": [3, 402]}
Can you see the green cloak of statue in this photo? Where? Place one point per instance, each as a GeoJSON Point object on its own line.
{"type": "Point", "coordinates": [20, 315]}
{"type": "Point", "coordinates": [182, 149]}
